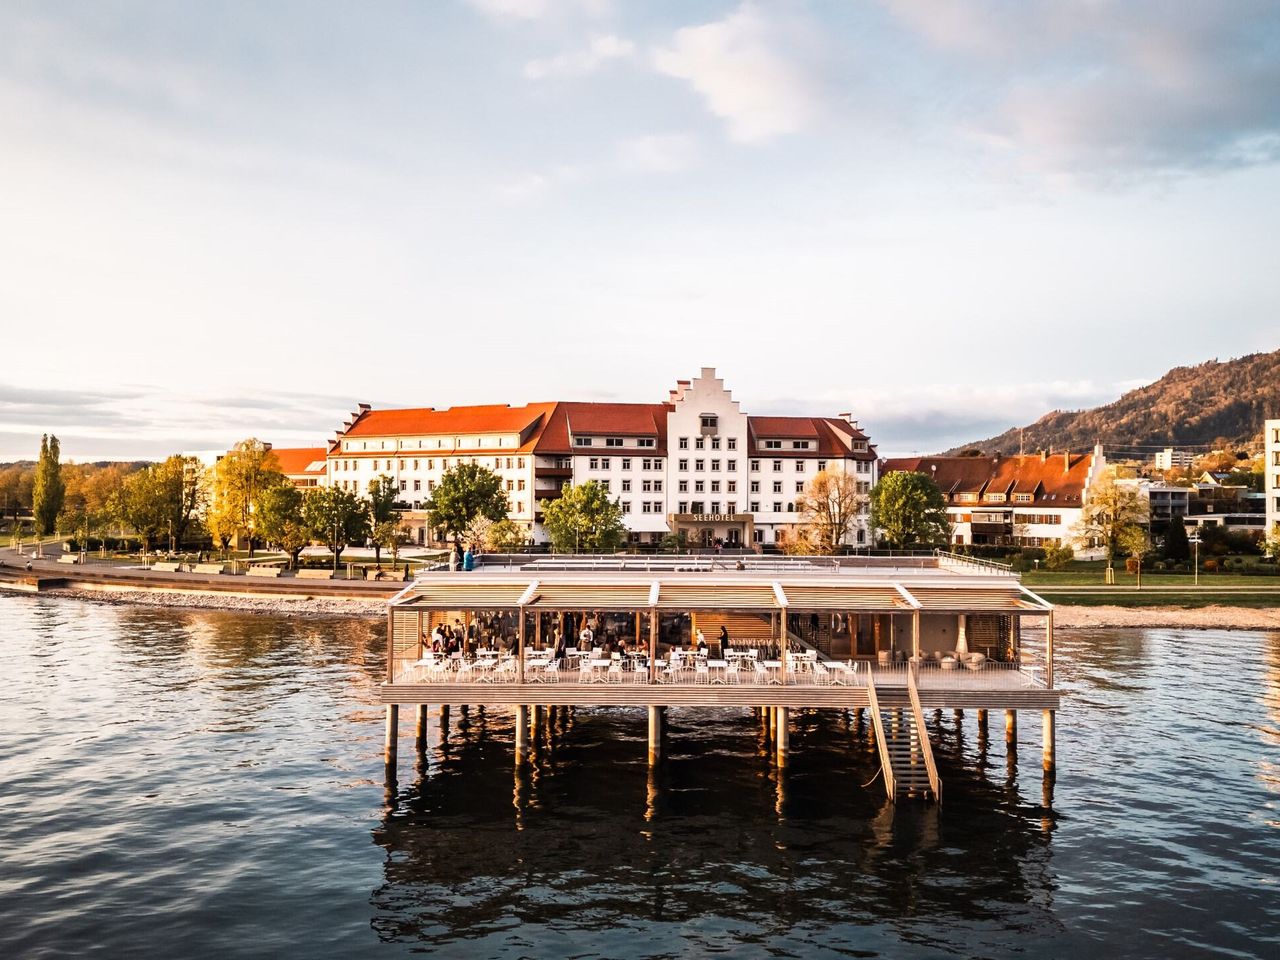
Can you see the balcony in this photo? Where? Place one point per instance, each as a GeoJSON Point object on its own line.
{"type": "Point", "coordinates": [565, 471]}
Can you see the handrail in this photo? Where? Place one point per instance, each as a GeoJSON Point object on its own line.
{"type": "Point", "coordinates": [981, 562]}
{"type": "Point", "coordinates": [886, 763]}
{"type": "Point", "coordinates": [922, 736]}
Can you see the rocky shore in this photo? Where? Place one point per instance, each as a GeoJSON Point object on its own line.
{"type": "Point", "coordinates": [282, 606]}
{"type": "Point", "coordinates": [1217, 617]}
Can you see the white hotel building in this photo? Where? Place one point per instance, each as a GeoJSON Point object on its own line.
{"type": "Point", "coordinates": [693, 463]}
{"type": "Point", "coordinates": [1271, 436]}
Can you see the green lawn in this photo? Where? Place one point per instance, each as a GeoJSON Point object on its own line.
{"type": "Point", "coordinates": [1188, 599]}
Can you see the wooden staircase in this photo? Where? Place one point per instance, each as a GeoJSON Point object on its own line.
{"type": "Point", "coordinates": [906, 756]}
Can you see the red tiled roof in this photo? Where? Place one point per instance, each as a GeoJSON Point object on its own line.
{"type": "Point", "coordinates": [295, 461]}
{"type": "Point", "coordinates": [1053, 478]}
{"type": "Point", "coordinates": [602, 419]}
{"type": "Point", "coordinates": [453, 421]}
{"type": "Point", "coordinates": [782, 428]}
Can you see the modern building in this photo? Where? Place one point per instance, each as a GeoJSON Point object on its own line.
{"type": "Point", "coordinates": [1271, 435]}
{"type": "Point", "coordinates": [1168, 458]}
{"type": "Point", "coordinates": [694, 464]}
{"type": "Point", "coordinates": [1032, 500]}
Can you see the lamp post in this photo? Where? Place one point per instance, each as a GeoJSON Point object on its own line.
{"type": "Point", "coordinates": [1195, 564]}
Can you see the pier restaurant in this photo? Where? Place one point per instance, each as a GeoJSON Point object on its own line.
{"type": "Point", "coordinates": [894, 637]}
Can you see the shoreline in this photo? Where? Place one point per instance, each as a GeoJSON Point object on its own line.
{"type": "Point", "coordinates": [1070, 617]}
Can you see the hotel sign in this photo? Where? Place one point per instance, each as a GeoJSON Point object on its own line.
{"type": "Point", "coordinates": [713, 517]}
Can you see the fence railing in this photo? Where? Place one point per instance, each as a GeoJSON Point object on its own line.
{"type": "Point", "coordinates": [922, 737]}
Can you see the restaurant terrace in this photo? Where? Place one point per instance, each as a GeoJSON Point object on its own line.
{"type": "Point", "coordinates": [891, 636]}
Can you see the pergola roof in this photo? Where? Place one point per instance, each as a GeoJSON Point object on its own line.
{"type": "Point", "coordinates": [563, 590]}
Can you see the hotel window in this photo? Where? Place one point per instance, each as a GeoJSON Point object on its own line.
{"type": "Point", "coordinates": [733, 443]}
{"type": "Point", "coordinates": [401, 464]}
{"type": "Point", "coordinates": [684, 443]}
{"type": "Point", "coordinates": [799, 486]}
{"type": "Point", "coordinates": [709, 421]}
{"type": "Point", "coordinates": [799, 444]}
{"type": "Point", "coordinates": [431, 485]}
{"type": "Point", "coordinates": [715, 506]}
{"type": "Point", "coordinates": [1022, 498]}
{"type": "Point", "coordinates": [646, 442]}
{"type": "Point", "coordinates": [730, 507]}
{"type": "Point", "coordinates": [657, 506]}
{"type": "Point", "coordinates": [644, 506]}
{"type": "Point", "coordinates": [773, 444]}
{"type": "Point", "coordinates": [698, 443]}
{"type": "Point", "coordinates": [683, 506]}
{"type": "Point", "coordinates": [755, 466]}
{"type": "Point", "coordinates": [520, 463]}
{"type": "Point", "coordinates": [682, 486]}
{"type": "Point", "coordinates": [646, 486]}
{"type": "Point", "coordinates": [613, 441]}
{"type": "Point", "coordinates": [800, 466]}
{"type": "Point", "coordinates": [755, 486]}
{"type": "Point", "coordinates": [519, 484]}
{"type": "Point", "coordinates": [822, 465]}
{"type": "Point", "coordinates": [604, 463]}
{"type": "Point", "coordinates": [755, 506]}
{"type": "Point", "coordinates": [699, 465]}
{"type": "Point", "coordinates": [732, 486]}
{"type": "Point", "coordinates": [431, 464]}
{"type": "Point", "coordinates": [994, 497]}
{"type": "Point", "coordinates": [508, 463]}
{"type": "Point", "coordinates": [417, 485]}
{"type": "Point", "coordinates": [626, 486]}
{"type": "Point", "coordinates": [683, 465]}
{"type": "Point", "coordinates": [626, 506]}
{"type": "Point", "coordinates": [626, 463]}
{"type": "Point", "coordinates": [497, 463]}
{"type": "Point", "coordinates": [696, 506]}
{"type": "Point", "coordinates": [404, 485]}
{"type": "Point", "coordinates": [519, 506]}
{"type": "Point", "coordinates": [777, 466]}
{"type": "Point", "coordinates": [757, 536]}
{"type": "Point", "coordinates": [511, 485]}
{"type": "Point", "coordinates": [731, 466]}
{"type": "Point", "coordinates": [715, 443]}
{"type": "Point", "coordinates": [582, 441]}
{"type": "Point", "coordinates": [604, 485]}
{"type": "Point", "coordinates": [657, 486]}
{"type": "Point", "coordinates": [699, 486]}
{"type": "Point", "coordinates": [777, 486]}
{"type": "Point", "coordinates": [777, 506]}
{"type": "Point", "coordinates": [715, 486]}
{"type": "Point", "coordinates": [715, 464]}
{"type": "Point", "coordinates": [791, 508]}
{"type": "Point", "coordinates": [415, 464]}
{"type": "Point", "coordinates": [593, 463]}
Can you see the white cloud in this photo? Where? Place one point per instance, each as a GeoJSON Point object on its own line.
{"type": "Point", "coordinates": [742, 69]}
{"type": "Point", "coordinates": [602, 49]}
{"type": "Point", "coordinates": [658, 153]}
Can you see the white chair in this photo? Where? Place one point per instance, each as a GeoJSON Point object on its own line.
{"type": "Point", "coordinates": [551, 672]}
{"type": "Point", "coordinates": [614, 674]}
{"type": "Point", "coordinates": [761, 674]}
{"type": "Point", "coordinates": [731, 673]}
{"type": "Point", "coordinates": [585, 672]}
{"type": "Point", "coordinates": [821, 675]}
{"type": "Point", "coordinates": [700, 672]}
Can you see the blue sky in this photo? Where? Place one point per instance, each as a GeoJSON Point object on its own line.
{"type": "Point", "coordinates": [948, 216]}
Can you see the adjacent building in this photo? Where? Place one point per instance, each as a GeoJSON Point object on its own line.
{"type": "Point", "coordinates": [1271, 487]}
{"type": "Point", "coordinates": [1168, 458]}
{"type": "Point", "coordinates": [693, 464]}
{"type": "Point", "coordinates": [1026, 501]}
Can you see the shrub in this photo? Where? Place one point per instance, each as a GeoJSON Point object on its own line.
{"type": "Point", "coordinates": [1131, 564]}
{"type": "Point", "coordinates": [1057, 558]}
{"type": "Point", "coordinates": [1160, 566]}
{"type": "Point", "coordinates": [1210, 565]}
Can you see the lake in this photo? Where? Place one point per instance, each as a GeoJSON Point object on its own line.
{"type": "Point", "coordinates": [206, 784]}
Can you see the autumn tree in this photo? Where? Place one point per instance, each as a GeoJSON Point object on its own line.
{"type": "Point", "coordinates": [908, 509]}
{"type": "Point", "coordinates": [1136, 542]}
{"type": "Point", "coordinates": [279, 519]}
{"type": "Point", "coordinates": [828, 508]}
{"type": "Point", "coordinates": [47, 489]}
{"type": "Point", "coordinates": [337, 518]}
{"type": "Point", "coordinates": [464, 493]}
{"type": "Point", "coordinates": [383, 492]}
{"type": "Point", "coordinates": [240, 476]}
{"type": "Point", "coordinates": [1110, 509]}
{"type": "Point", "coordinates": [583, 520]}
{"type": "Point", "coordinates": [139, 505]}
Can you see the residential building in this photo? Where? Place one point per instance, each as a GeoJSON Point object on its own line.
{"type": "Point", "coordinates": [1168, 458]}
{"type": "Point", "coordinates": [1029, 500]}
{"type": "Point", "coordinates": [305, 467]}
{"type": "Point", "coordinates": [1271, 487]}
{"type": "Point", "coordinates": [694, 463]}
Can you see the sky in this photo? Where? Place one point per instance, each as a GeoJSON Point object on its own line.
{"type": "Point", "coordinates": [947, 216]}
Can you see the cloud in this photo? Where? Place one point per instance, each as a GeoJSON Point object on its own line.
{"type": "Point", "coordinates": [602, 49]}
{"type": "Point", "coordinates": [658, 153]}
{"type": "Point", "coordinates": [1088, 87]}
{"type": "Point", "coordinates": [747, 70]}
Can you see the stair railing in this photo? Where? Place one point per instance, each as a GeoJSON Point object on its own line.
{"type": "Point", "coordinates": [922, 735]}
{"type": "Point", "coordinates": [886, 761]}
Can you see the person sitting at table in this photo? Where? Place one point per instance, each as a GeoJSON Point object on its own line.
{"type": "Point", "coordinates": [724, 642]}
{"type": "Point", "coordinates": [621, 647]}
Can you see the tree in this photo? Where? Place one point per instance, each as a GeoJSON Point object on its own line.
{"type": "Point", "coordinates": [241, 475]}
{"type": "Point", "coordinates": [1109, 510]}
{"type": "Point", "coordinates": [336, 518]}
{"type": "Point", "coordinates": [1136, 542]}
{"type": "Point", "coordinates": [506, 536]}
{"type": "Point", "coordinates": [47, 489]}
{"type": "Point", "coordinates": [178, 485]}
{"type": "Point", "coordinates": [583, 520]}
{"type": "Point", "coordinates": [139, 505]}
{"type": "Point", "coordinates": [801, 541]}
{"type": "Point", "coordinates": [383, 493]}
{"type": "Point", "coordinates": [279, 519]}
{"type": "Point", "coordinates": [387, 534]}
{"type": "Point", "coordinates": [1176, 546]}
{"type": "Point", "coordinates": [464, 493]}
{"type": "Point", "coordinates": [908, 509]}
{"type": "Point", "coordinates": [1057, 556]}
{"type": "Point", "coordinates": [830, 503]}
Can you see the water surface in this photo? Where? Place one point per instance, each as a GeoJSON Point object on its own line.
{"type": "Point", "coordinates": [210, 784]}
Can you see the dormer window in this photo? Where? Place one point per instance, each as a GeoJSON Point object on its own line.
{"type": "Point", "coordinates": [773, 444]}
{"type": "Point", "coordinates": [710, 421]}
{"type": "Point", "coordinates": [994, 498]}
{"type": "Point", "coordinates": [582, 441]}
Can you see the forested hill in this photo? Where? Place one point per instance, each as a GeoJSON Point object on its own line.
{"type": "Point", "coordinates": [1188, 406]}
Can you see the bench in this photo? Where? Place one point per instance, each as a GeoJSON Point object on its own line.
{"type": "Point", "coordinates": [209, 568]}
{"type": "Point", "coordinates": [264, 571]}
{"type": "Point", "coordinates": [392, 575]}
{"type": "Point", "coordinates": [315, 574]}
{"type": "Point", "coordinates": [69, 558]}
{"type": "Point", "coordinates": [167, 566]}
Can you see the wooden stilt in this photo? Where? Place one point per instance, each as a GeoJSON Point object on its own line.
{"type": "Point", "coordinates": [783, 735]}
{"type": "Point", "coordinates": [655, 733]}
{"type": "Point", "coordinates": [1011, 728]}
{"type": "Point", "coordinates": [420, 728]}
{"type": "Point", "coordinates": [522, 732]}
{"type": "Point", "coordinates": [1049, 741]}
{"type": "Point", "coordinates": [392, 740]}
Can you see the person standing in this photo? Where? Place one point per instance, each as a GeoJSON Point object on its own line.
{"type": "Point", "coordinates": [468, 561]}
{"type": "Point", "coordinates": [724, 642]}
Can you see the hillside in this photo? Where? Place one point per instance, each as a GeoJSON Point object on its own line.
{"type": "Point", "coordinates": [1188, 406]}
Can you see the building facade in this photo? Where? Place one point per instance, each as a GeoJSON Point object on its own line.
{"type": "Point", "coordinates": [694, 464]}
{"type": "Point", "coordinates": [1271, 486]}
{"type": "Point", "coordinates": [1034, 500]}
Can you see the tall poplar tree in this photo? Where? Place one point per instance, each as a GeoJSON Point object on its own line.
{"type": "Point", "coordinates": [48, 490]}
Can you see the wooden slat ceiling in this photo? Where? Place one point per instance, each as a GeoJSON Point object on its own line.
{"type": "Point", "coordinates": [476, 594]}
{"type": "Point", "coordinates": [996, 600]}
{"type": "Point", "coordinates": [593, 596]}
{"type": "Point", "coordinates": [721, 596]}
{"type": "Point", "coordinates": [801, 597]}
